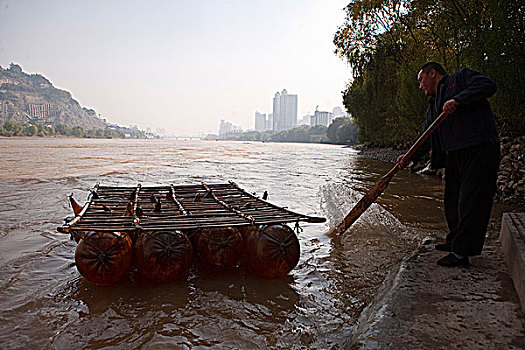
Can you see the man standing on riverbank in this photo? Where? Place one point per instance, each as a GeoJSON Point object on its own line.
{"type": "Point", "coordinates": [466, 144]}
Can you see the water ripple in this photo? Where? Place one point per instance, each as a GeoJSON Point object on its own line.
{"type": "Point", "coordinates": [45, 303]}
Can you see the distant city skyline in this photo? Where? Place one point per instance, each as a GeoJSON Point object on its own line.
{"type": "Point", "coordinates": [264, 122]}
{"type": "Point", "coordinates": [179, 67]}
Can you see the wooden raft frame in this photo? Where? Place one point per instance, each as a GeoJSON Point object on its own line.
{"type": "Point", "coordinates": [182, 207]}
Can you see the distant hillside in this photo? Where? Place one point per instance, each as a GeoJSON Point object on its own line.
{"type": "Point", "coordinates": [31, 98]}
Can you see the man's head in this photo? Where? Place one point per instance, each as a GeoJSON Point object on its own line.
{"type": "Point", "coordinates": [429, 77]}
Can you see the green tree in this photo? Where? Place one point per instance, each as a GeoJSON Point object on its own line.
{"type": "Point", "coordinates": [386, 41]}
{"type": "Point", "coordinates": [50, 130]}
{"type": "Point", "coordinates": [42, 130]}
{"type": "Point", "coordinates": [91, 133]}
{"type": "Point", "coordinates": [62, 129]}
{"type": "Point", "coordinates": [30, 130]}
{"type": "Point", "coordinates": [77, 131]}
{"type": "Point", "coordinates": [332, 128]}
{"type": "Point", "coordinates": [121, 134]}
{"type": "Point", "coordinates": [316, 129]}
{"type": "Point", "coordinates": [99, 133]}
{"type": "Point", "coordinates": [13, 128]}
{"type": "Point", "coordinates": [347, 134]}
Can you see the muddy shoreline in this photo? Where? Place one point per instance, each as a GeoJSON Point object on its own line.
{"type": "Point", "coordinates": [423, 305]}
{"type": "Point", "coordinates": [385, 154]}
{"type": "Point", "coordinates": [511, 176]}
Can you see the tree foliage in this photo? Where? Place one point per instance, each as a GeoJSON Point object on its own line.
{"type": "Point", "coordinates": [342, 131]}
{"type": "Point", "coordinates": [305, 134]}
{"type": "Point", "coordinates": [387, 41]}
{"type": "Point", "coordinates": [11, 128]}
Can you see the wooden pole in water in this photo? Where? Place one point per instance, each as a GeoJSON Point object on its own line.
{"type": "Point", "coordinates": [372, 194]}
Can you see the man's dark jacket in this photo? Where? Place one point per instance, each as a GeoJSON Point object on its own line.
{"type": "Point", "coordinates": [472, 123]}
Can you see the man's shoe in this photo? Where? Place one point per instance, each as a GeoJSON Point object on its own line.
{"type": "Point", "coordinates": [444, 247]}
{"type": "Point", "coordinates": [453, 261]}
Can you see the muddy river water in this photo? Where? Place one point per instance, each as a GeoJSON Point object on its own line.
{"type": "Point", "coordinates": [46, 303]}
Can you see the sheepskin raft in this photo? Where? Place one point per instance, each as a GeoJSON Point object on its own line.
{"type": "Point", "coordinates": [159, 229]}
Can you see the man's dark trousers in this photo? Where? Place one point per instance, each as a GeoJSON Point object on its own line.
{"type": "Point", "coordinates": [470, 185]}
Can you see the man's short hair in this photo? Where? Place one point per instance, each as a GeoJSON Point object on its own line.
{"type": "Point", "coordinates": [427, 67]}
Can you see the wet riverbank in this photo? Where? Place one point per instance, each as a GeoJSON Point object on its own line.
{"type": "Point", "coordinates": [385, 154]}
{"type": "Point", "coordinates": [425, 306]}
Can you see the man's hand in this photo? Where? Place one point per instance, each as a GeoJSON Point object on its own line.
{"type": "Point", "coordinates": [401, 162]}
{"type": "Point", "coordinates": [450, 106]}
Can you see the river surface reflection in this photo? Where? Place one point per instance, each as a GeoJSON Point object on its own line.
{"type": "Point", "coordinates": [45, 303]}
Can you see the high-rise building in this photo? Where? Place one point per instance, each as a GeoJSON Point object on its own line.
{"type": "Point", "coordinates": [276, 111]}
{"type": "Point", "coordinates": [305, 120]}
{"type": "Point", "coordinates": [260, 122]}
{"type": "Point", "coordinates": [284, 111]}
{"type": "Point", "coordinates": [227, 127]}
{"type": "Point", "coordinates": [338, 112]}
{"type": "Point", "coordinates": [321, 118]}
{"type": "Point", "coordinates": [269, 122]}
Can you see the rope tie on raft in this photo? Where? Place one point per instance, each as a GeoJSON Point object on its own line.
{"type": "Point", "coordinates": [103, 254]}
{"type": "Point", "coordinates": [171, 246]}
{"type": "Point", "coordinates": [281, 245]}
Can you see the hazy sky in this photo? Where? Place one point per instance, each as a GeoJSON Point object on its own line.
{"type": "Point", "coordinates": [180, 65]}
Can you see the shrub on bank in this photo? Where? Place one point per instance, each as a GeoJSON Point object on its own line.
{"type": "Point", "coordinates": [11, 128]}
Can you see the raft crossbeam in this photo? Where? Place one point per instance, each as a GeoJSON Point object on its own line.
{"type": "Point", "coordinates": [182, 207]}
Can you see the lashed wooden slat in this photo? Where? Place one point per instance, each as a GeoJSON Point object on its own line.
{"type": "Point", "coordinates": [229, 207]}
{"type": "Point", "coordinates": [182, 207]}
